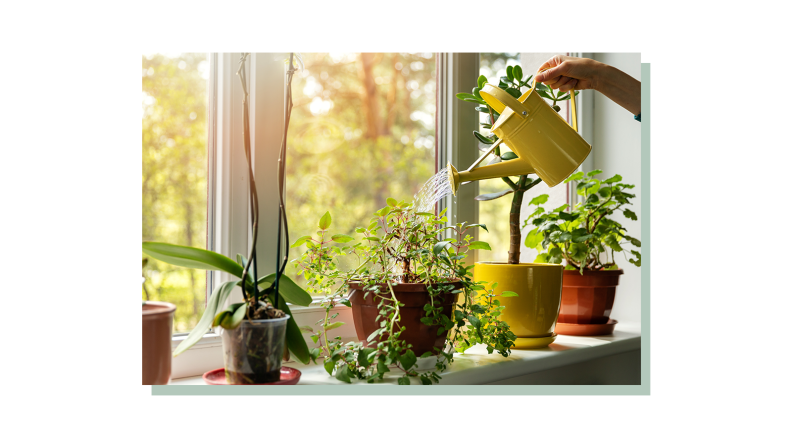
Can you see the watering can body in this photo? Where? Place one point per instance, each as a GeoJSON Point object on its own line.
{"type": "Point", "coordinates": [544, 143]}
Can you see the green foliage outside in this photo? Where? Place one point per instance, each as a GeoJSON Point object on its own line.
{"type": "Point", "coordinates": [174, 177]}
{"type": "Point", "coordinates": [362, 130]}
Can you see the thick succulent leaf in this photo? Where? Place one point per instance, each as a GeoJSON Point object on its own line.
{"type": "Point", "coordinates": [190, 257]}
{"type": "Point", "coordinates": [216, 301]}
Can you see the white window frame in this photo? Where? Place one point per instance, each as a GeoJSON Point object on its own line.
{"type": "Point", "coordinates": [228, 207]}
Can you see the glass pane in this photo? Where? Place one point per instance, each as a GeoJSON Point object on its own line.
{"type": "Point", "coordinates": [362, 130]}
{"type": "Point", "coordinates": [174, 176]}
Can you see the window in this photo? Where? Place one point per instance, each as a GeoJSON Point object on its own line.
{"type": "Point", "coordinates": [175, 173]}
{"type": "Point", "coordinates": [362, 130]}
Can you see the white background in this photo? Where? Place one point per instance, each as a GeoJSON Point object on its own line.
{"type": "Point", "coordinates": [70, 172]}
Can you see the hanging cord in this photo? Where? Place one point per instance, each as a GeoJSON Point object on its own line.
{"type": "Point", "coordinates": [253, 193]}
{"type": "Point", "coordinates": [283, 225]}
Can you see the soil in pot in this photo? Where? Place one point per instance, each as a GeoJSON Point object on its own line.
{"type": "Point", "coordinates": [414, 296]}
{"type": "Point", "coordinates": [254, 350]}
{"type": "Point", "coordinates": [588, 298]}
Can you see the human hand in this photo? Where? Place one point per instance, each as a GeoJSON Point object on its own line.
{"type": "Point", "coordinates": [567, 73]}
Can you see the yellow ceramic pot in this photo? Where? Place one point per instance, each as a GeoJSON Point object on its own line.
{"type": "Point", "coordinates": [534, 312]}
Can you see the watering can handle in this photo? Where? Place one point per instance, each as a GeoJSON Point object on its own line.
{"type": "Point", "coordinates": [571, 99]}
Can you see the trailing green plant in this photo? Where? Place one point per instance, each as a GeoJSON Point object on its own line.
{"type": "Point", "coordinates": [513, 83]}
{"type": "Point", "coordinates": [400, 245]}
{"type": "Point", "coordinates": [584, 236]}
{"type": "Point", "coordinates": [265, 297]}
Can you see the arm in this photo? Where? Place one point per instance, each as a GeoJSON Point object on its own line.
{"type": "Point", "coordinates": [566, 73]}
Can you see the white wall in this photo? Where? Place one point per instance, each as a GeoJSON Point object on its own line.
{"type": "Point", "coordinates": [616, 149]}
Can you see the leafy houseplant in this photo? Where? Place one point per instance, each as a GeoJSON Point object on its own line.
{"type": "Point", "coordinates": [511, 83]}
{"type": "Point", "coordinates": [256, 330]}
{"type": "Point", "coordinates": [587, 239]}
{"type": "Point", "coordinates": [400, 249]}
{"type": "Point", "coordinates": [584, 236]}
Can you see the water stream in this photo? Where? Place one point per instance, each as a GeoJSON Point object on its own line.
{"type": "Point", "coordinates": [434, 190]}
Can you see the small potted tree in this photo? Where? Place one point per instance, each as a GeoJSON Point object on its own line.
{"type": "Point", "coordinates": [533, 314]}
{"type": "Point", "coordinates": [587, 240]}
{"type": "Point", "coordinates": [404, 294]}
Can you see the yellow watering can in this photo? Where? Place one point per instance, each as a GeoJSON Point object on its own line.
{"type": "Point", "coordinates": [544, 143]}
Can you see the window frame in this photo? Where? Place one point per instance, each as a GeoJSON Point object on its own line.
{"type": "Point", "coordinates": [227, 230]}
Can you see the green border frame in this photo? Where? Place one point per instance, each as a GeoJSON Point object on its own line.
{"type": "Point", "coordinates": [642, 389]}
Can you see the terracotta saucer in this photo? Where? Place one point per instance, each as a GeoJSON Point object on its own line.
{"type": "Point", "coordinates": [586, 329]}
{"type": "Point", "coordinates": [289, 377]}
{"type": "Point", "coordinates": [529, 343]}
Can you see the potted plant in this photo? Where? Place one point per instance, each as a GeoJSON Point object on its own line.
{"type": "Point", "coordinates": [531, 314]}
{"type": "Point", "coordinates": [411, 295]}
{"type": "Point", "coordinates": [255, 332]}
{"type": "Point", "coordinates": [587, 240]}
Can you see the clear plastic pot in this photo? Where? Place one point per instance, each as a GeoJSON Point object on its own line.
{"type": "Point", "coordinates": [253, 351]}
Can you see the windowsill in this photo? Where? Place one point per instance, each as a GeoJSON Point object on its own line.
{"type": "Point", "coordinates": [573, 357]}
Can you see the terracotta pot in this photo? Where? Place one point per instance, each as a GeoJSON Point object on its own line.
{"type": "Point", "coordinates": [534, 312]}
{"type": "Point", "coordinates": [588, 298]}
{"type": "Point", "coordinates": [424, 338]}
{"type": "Point", "coordinates": [157, 328]}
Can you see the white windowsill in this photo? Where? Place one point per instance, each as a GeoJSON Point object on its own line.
{"type": "Point", "coordinates": [477, 367]}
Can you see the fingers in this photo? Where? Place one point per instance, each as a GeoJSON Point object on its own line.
{"type": "Point", "coordinates": [567, 83]}
{"type": "Point", "coordinates": [552, 75]}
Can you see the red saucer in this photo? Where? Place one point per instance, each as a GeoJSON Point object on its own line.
{"type": "Point", "coordinates": [289, 377]}
{"type": "Point", "coordinates": [586, 329]}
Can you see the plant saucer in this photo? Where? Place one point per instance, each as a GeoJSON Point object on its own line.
{"type": "Point", "coordinates": [289, 376]}
{"type": "Point", "coordinates": [530, 343]}
{"type": "Point", "coordinates": [586, 329]}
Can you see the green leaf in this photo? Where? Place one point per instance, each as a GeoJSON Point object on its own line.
{"type": "Point", "coordinates": [568, 217]}
{"type": "Point", "coordinates": [517, 72]}
{"type": "Point", "coordinates": [613, 179]}
{"type": "Point", "coordinates": [480, 245]}
{"type": "Point", "coordinates": [382, 368]}
{"type": "Point", "coordinates": [190, 257]}
{"type": "Point", "coordinates": [325, 221]}
{"type": "Point", "coordinates": [231, 323]}
{"type": "Point", "coordinates": [425, 381]}
{"type": "Point", "coordinates": [636, 262]}
{"type": "Point", "coordinates": [509, 156]}
{"type": "Point", "coordinates": [578, 252]}
{"type": "Point", "coordinates": [560, 208]}
{"type": "Point", "coordinates": [544, 94]}
{"type": "Point", "coordinates": [593, 172]}
{"type": "Point", "coordinates": [612, 242]}
{"type": "Point", "coordinates": [630, 214]}
{"type": "Point", "coordinates": [482, 80]}
{"type": "Point", "coordinates": [294, 338]}
{"type": "Point", "coordinates": [342, 374]}
{"type": "Point", "coordinates": [514, 92]}
{"type": "Point", "coordinates": [510, 72]}
{"type": "Point", "coordinates": [541, 199]}
{"type": "Point", "coordinates": [301, 241]}
{"type": "Point", "coordinates": [329, 366]}
{"type": "Point", "coordinates": [404, 381]}
{"type": "Point", "coordinates": [542, 258]}
{"type": "Point", "coordinates": [509, 294]}
{"type": "Point", "coordinates": [494, 195]}
{"type": "Point", "coordinates": [476, 92]}
{"type": "Point", "coordinates": [465, 96]}
{"type": "Point", "coordinates": [363, 356]}
{"type": "Point", "coordinates": [574, 177]}
{"type": "Point", "coordinates": [439, 247]}
{"type": "Point", "coordinates": [474, 321]}
{"type": "Point", "coordinates": [216, 300]}
{"type": "Point", "coordinates": [407, 360]}
{"type": "Point", "coordinates": [483, 138]}
{"type": "Point", "coordinates": [480, 225]}
{"type": "Point", "coordinates": [288, 290]}
{"type": "Point", "coordinates": [333, 326]}
{"type": "Point", "coordinates": [392, 202]}
{"type": "Point", "coordinates": [533, 239]}
{"type": "Point", "coordinates": [341, 238]}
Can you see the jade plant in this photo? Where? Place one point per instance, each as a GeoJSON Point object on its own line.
{"type": "Point", "coordinates": [587, 238]}
{"type": "Point", "coordinates": [512, 83]}
{"type": "Point", "coordinates": [400, 245]}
